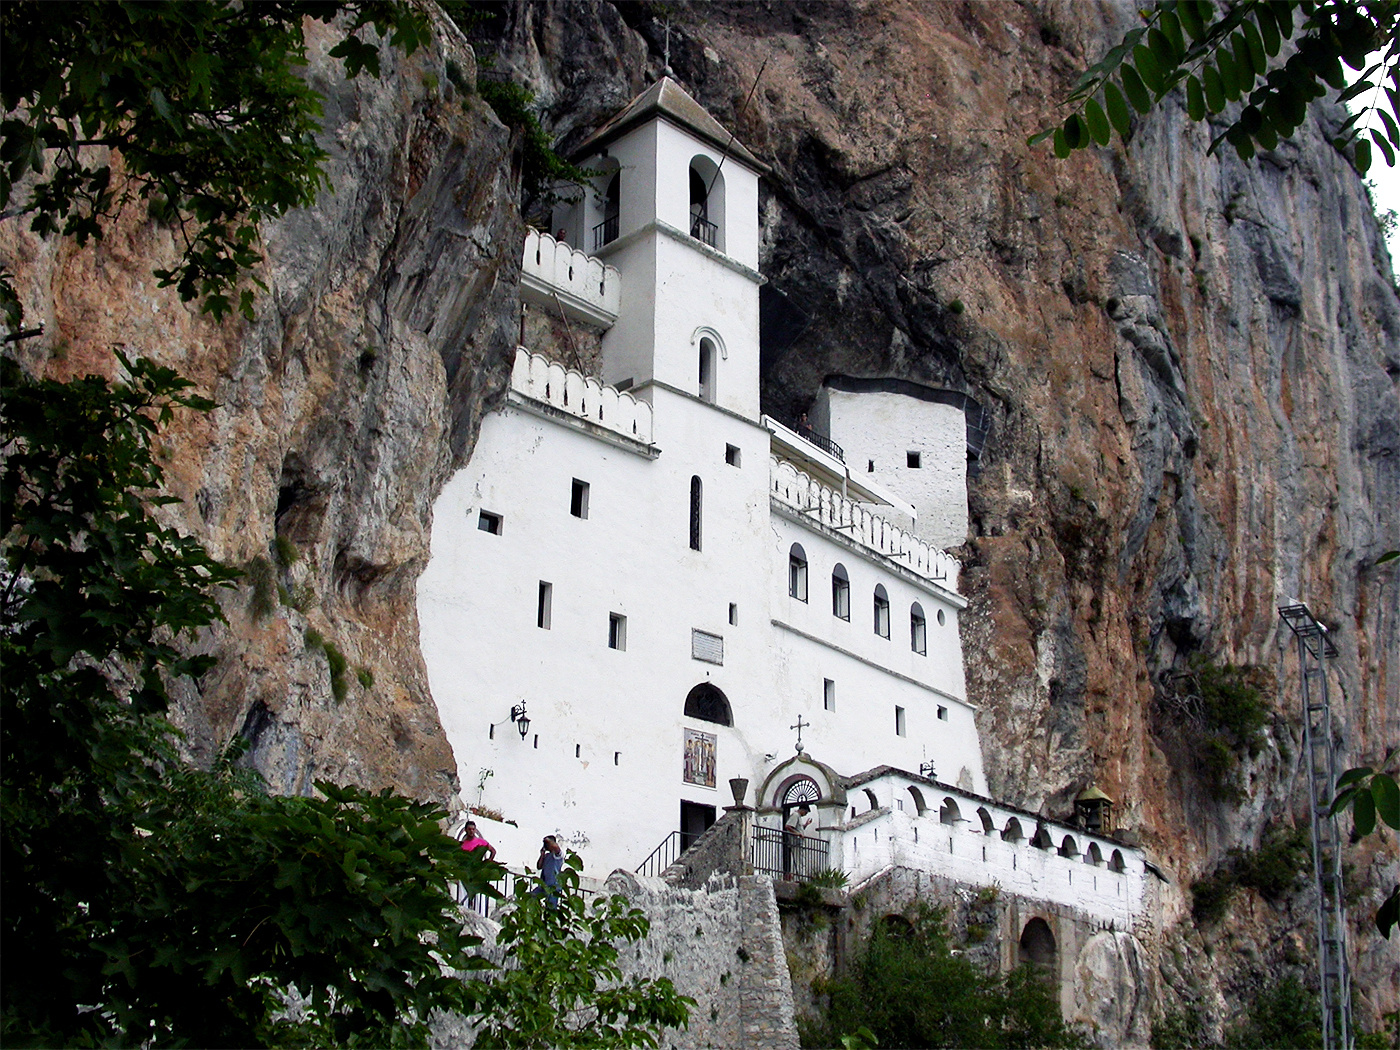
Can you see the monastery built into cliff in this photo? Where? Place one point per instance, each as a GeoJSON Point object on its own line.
{"type": "Point", "coordinates": [653, 612]}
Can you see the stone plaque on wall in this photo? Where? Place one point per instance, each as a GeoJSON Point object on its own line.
{"type": "Point", "coordinates": [699, 758]}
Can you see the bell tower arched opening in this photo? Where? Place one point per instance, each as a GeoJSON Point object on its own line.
{"type": "Point", "coordinates": [706, 202]}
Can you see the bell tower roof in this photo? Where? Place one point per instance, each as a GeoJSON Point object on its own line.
{"type": "Point", "coordinates": [668, 99]}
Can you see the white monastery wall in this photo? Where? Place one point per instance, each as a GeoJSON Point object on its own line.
{"type": "Point", "coordinates": [882, 428]}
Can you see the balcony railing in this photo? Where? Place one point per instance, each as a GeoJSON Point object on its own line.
{"type": "Point", "coordinates": [828, 446]}
{"type": "Point", "coordinates": [605, 232]}
{"type": "Point", "coordinates": [664, 855]}
{"type": "Point", "coordinates": [703, 231]}
{"type": "Point", "coordinates": [788, 855]}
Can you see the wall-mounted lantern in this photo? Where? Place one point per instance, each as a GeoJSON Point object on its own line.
{"type": "Point", "coordinates": [518, 716]}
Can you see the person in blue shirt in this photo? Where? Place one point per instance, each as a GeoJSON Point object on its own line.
{"type": "Point", "coordinates": [551, 863]}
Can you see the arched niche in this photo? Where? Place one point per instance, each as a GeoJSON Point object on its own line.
{"type": "Point", "coordinates": [776, 783]}
{"type": "Point", "coordinates": [707, 202]}
{"type": "Point", "coordinates": [870, 797]}
{"type": "Point", "coordinates": [1068, 847]}
{"type": "Point", "coordinates": [707, 703]}
{"type": "Point", "coordinates": [1093, 855]}
{"type": "Point", "coordinates": [918, 796]}
{"type": "Point", "coordinates": [1115, 862]}
{"type": "Point", "coordinates": [1012, 832]}
{"type": "Point", "coordinates": [1037, 945]}
{"type": "Point", "coordinates": [896, 927]}
{"type": "Point", "coordinates": [949, 813]}
{"type": "Point", "coordinates": [986, 818]}
{"type": "Point", "coordinates": [1041, 839]}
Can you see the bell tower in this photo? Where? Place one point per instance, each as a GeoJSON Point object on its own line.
{"type": "Point", "coordinates": [675, 209]}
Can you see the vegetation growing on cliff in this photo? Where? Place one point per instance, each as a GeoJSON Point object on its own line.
{"type": "Point", "coordinates": [910, 990]}
{"type": "Point", "coordinates": [1274, 869]}
{"type": "Point", "coordinates": [1219, 712]}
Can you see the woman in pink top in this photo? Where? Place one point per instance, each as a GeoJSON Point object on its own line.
{"type": "Point", "coordinates": [472, 840]}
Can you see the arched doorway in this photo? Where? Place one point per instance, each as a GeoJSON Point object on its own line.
{"type": "Point", "coordinates": [1037, 947]}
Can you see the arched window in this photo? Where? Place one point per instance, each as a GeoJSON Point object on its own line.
{"type": "Point", "coordinates": [695, 497]}
{"type": "Point", "coordinates": [1093, 855]}
{"type": "Point", "coordinates": [1069, 848]}
{"type": "Point", "coordinates": [708, 704]}
{"type": "Point", "coordinates": [918, 797]}
{"type": "Point", "coordinates": [1038, 945]}
{"type": "Point", "coordinates": [797, 573]}
{"type": "Point", "coordinates": [606, 231]}
{"type": "Point", "coordinates": [707, 202]}
{"type": "Point", "coordinates": [918, 630]}
{"type": "Point", "coordinates": [707, 370]}
{"type": "Point", "coordinates": [1041, 839]}
{"type": "Point", "coordinates": [840, 592]}
{"type": "Point", "coordinates": [987, 826]}
{"type": "Point", "coordinates": [870, 797]}
{"type": "Point", "coordinates": [799, 791]}
{"type": "Point", "coordinates": [949, 813]}
{"type": "Point", "coordinates": [882, 611]}
{"type": "Point", "coordinates": [1012, 831]}
{"type": "Point", "coordinates": [897, 927]}
{"type": "Point", "coordinates": [1115, 862]}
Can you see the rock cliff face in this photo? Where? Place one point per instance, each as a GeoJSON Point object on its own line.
{"type": "Point", "coordinates": [1189, 367]}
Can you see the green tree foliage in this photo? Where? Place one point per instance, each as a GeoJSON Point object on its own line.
{"type": "Point", "coordinates": [562, 986]}
{"type": "Point", "coordinates": [149, 900]}
{"type": "Point", "coordinates": [1372, 794]}
{"type": "Point", "coordinates": [1283, 1014]}
{"type": "Point", "coordinates": [1220, 711]}
{"type": "Point", "coordinates": [1274, 869]}
{"type": "Point", "coordinates": [201, 106]}
{"type": "Point", "coordinates": [1271, 57]}
{"type": "Point", "coordinates": [910, 990]}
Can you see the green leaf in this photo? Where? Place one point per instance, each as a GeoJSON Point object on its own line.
{"type": "Point", "coordinates": [1161, 47]}
{"type": "Point", "coordinates": [1135, 90]}
{"type": "Point", "coordinates": [1388, 556]}
{"type": "Point", "coordinates": [1363, 813]}
{"type": "Point", "coordinates": [1062, 146]}
{"type": "Point", "coordinates": [1244, 62]}
{"type": "Point", "coordinates": [1214, 90]}
{"type": "Point", "coordinates": [1387, 799]}
{"type": "Point", "coordinates": [1389, 913]}
{"type": "Point", "coordinates": [1117, 110]}
{"type": "Point", "coordinates": [1361, 157]}
{"type": "Point", "coordinates": [1384, 147]}
{"type": "Point", "coordinates": [1195, 99]}
{"type": "Point", "coordinates": [1076, 131]}
{"type": "Point", "coordinates": [1039, 137]}
{"type": "Point", "coordinates": [1094, 116]}
{"type": "Point", "coordinates": [1356, 89]}
{"type": "Point", "coordinates": [1229, 77]}
{"type": "Point", "coordinates": [1147, 67]}
{"type": "Point", "coordinates": [1258, 60]}
{"type": "Point", "coordinates": [1268, 30]}
{"type": "Point", "coordinates": [1191, 20]}
{"type": "Point", "coordinates": [1391, 132]}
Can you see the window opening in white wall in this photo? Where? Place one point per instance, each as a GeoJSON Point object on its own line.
{"type": "Point", "coordinates": [828, 694]}
{"type": "Point", "coordinates": [913, 459]}
{"type": "Point", "coordinates": [941, 618]}
{"type": "Point", "coordinates": [840, 592]}
{"type": "Point", "coordinates": [797, 573]}
{"type": "Point", "coordinates": [942, 713]}
{"type": "Point", "coordinates": [578, 750]}
{"type": "Point", "coordinates": [707, 370]}
{"type": "Point", "coordinates": [701, 228]}
{"type": "Point", "coordinates": [731, 455]}
{"type": "Point", "coordinates": [899, 721]}
{"type": "Point", "coordinates": [870, 466]}
{"type": "Point", "coordinates": [707, 703]}
{"type": "Point", "coordinates": [617, 631]}
{"type": "Point", "coordinates": [882, 611]}
{"type": "Point", "coordinates": [695, 496]}
{"type": "Point", "coordinates": [606, 231]}
{"type": "Point", "coordinates": [488, 522]}
{"type": "Point", "coordinates": [706, 646]}
{"type": "Point", "coordinates": [617, 758]}
{"type": "Point", "coordinates": [545, 609]}
{"type": "Point", "coordinates": [578, 499]}
{"type": "Point", "coordinates": [918, 630]}
{"type": "Point", "coordinates": [733, 615]}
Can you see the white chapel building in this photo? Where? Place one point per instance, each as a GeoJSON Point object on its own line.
{"type": "Point", "coordinates": [641, 588]}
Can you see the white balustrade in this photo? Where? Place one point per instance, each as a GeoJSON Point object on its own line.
{"type": "Point", "coordinates": [824, 504]}
{"type": "Point", "coordinates": [554, 274]}
{"type": "Point", "coordinates": [540, 379]}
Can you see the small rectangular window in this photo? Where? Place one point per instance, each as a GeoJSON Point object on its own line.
{"type": "Point", "coordinates": [544, 610]}
{"type": "Point", "coordinates": [828, 694]}
{"type": "Point", "coordinates": [706, 646]}
{"type": "Point", "coordinates": [731, 455]}
{"type": "Point", "coordinates": [914, 459]}
{"type": "Point", "coordinates": [578, 499]}
{"type": "Point", "coordinates": [899, 721]}
{"type": "Point", "coordinates": [617, 631]}
{"type": "Point", "coordinates": [488, 522]}
{"type": "Point", "coordinates": [733, 615]}
{"type": "Point", "coordinates": [942, 713]}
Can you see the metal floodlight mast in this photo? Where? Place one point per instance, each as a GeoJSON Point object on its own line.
{"type": "Point", "coordinates": [1314, 650]}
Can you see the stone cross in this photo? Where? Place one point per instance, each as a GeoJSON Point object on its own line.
{"type": "Point", "coordinates": [801, 725]}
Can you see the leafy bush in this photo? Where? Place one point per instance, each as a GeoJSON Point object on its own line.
{"type": "Point", "coordinates": [263, 598]}
{"type": "Point", "coordinates": [911, 991]}
{"type": "Point", "coordinates": [1220, 713]}
{"type": "Point", "coordinates": [541, 167]}
{"type": "Point", "coordinates": [1274, 869]}
{"type": "Point", "coordinates": [1282, 1014]}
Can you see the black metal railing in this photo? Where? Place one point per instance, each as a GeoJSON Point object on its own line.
{"type": "Point", "coordinates": [704, 231]}
{"type": "Point", "coordinates": [824, 443]}
{"type": "Point", "coordinates": [605, 232]}
{"type": "Point", "coordinates": [788, 855]}
{"type": "Point", "coordinates": [672, 846]}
